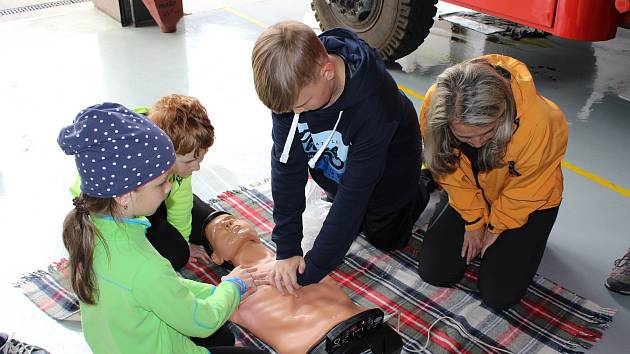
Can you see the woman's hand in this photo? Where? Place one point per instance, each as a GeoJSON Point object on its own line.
{"type": "Point", "coordinates": [199, 253]}
{"type": "Point", "coordinates": [472, 244]}
{"type": "Point", "coordinates": [488, 239]}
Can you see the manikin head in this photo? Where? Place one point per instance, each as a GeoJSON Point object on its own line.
{"type": "Point", "coordinates": [228, 237]}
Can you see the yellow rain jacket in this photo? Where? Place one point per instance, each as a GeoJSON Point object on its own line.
{"type": "Point", "coordinates": [531, 178]}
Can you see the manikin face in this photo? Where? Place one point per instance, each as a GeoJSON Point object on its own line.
{"type": "Point", "coordinates": [146, 199]}
{"type": "Point", "coordinates": [475, 136]}
{"type": "Point", "coordinates": [318, 93]}
{"type": "Point", "coordinates": [185, 165]}
{"type": "Point", "coordinates": [228, 235]}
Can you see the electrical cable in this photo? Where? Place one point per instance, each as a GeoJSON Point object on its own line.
{"type": "Point", "coordinates": [487, 347]}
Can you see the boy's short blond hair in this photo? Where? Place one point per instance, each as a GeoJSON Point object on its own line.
{"type": "Point", "coordinates": [286, 57]}
{"type": "Point", "coordinates": [185, 120]}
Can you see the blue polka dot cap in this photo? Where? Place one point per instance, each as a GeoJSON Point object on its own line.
{"type": "Point", "coordinates": [116, 150]}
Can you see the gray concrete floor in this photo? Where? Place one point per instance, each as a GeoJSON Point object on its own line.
{"type": "Point", "coordinates": [54, 64]}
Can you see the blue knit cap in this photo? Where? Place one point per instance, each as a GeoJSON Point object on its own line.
{"type": "Point", "coordinates": [116, 150]}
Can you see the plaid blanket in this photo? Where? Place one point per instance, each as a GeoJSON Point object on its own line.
{"type": "Point", "coordinates": [51, 291]}
{"type": "Point", "coordinates": [549, 318]}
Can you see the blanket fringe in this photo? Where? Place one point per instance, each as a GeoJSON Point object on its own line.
{"type": "Point", "coordinates": [239, 190]}
{"type": "Point", "coordinates": [30, 277]}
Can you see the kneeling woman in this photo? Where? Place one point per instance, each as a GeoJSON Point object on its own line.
{"type": "Point", "coordinates": [495, 145]}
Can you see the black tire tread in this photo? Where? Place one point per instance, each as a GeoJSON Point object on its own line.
{"type": "Point", "coordinates": [413, 23]}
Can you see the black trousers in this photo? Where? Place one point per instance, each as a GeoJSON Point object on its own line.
{"type": "Point", "coordinates": [507, 267]}
{"type": "Point", "coordinates": [169, 242]}
{"type": "Point", "coordinates": [222, 342]}
{"type": "Point", "coordinates": [389, 228]}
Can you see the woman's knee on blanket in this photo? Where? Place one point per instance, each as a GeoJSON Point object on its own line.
{"type": "Point", "coordinates": [438, 272]}
{"type": "Point", "coordinates": [440, 277]}
{"type": "Point", "coordinates": [500, 294]}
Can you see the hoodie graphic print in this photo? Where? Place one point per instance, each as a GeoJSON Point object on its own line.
{"type": "Point", "coordinates": [332, 163]}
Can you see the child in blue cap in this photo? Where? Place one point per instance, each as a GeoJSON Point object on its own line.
{"type": "Point", "coordinates": [132, 301]}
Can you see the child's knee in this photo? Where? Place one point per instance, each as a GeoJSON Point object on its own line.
{"type": "Point", "coordinates": [385, 240]}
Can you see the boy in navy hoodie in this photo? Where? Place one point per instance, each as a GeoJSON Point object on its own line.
{"type": "Point", "coordinates": [338, 115]}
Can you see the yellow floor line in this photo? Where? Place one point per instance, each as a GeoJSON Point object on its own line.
{"type": "Point", "coordinates": [590, 176]}
{"type": "Point", "coordinates": [411, 92]}
{"type": "Point", "coordinates": [245, 17]}
{"type": "Point", "coordinates": [571, 167]}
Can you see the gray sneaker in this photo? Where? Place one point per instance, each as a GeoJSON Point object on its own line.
{"type": "Point", "coordinates": [8, 345]}
{"type": "Point", "coordinates": [619, 279]}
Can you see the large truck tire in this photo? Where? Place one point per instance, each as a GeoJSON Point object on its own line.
{"type": "Point", "coordinates": [394, 27]}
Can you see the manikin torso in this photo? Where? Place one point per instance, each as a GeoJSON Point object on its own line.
{"type": "Point", "coordinates": [290, 324]}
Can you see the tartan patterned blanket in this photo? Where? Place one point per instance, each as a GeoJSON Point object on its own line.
{"type": "Point", "coordinates": [548, 319]}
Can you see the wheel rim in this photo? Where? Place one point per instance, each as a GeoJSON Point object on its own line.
{"type": "Point", "coordinates": [360, 15]}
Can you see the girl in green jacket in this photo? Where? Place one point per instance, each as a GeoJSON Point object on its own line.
{"type": "Point", "coordinates": [132, 301]}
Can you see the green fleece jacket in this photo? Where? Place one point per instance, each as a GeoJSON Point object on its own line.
{"type": "Point", "coordinates": [142, 305]}
{"type": "Point", "coordinates": [179, 203]}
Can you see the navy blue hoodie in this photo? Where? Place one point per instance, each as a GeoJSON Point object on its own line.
{"type": "Point", "coordinates": [372, 160]}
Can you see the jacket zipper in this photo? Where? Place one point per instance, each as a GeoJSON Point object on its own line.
{"type": "Point", "coordinates": [512, 170]}
{"type": "Point", "coordinates": [483, 193]}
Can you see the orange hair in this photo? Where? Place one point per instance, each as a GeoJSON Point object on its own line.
{"type": "Point", "coordinates": [185, 120]}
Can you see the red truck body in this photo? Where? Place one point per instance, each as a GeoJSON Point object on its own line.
{"type": "Point", "coordinates": [589, 20]}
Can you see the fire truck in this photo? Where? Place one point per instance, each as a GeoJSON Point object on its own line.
{"type": "Point", "coordinates": [397, 27]}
